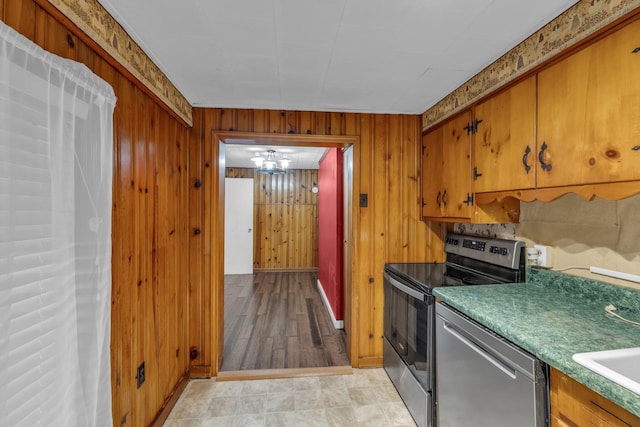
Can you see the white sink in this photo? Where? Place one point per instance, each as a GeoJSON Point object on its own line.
{"type": "Point", "coordinates": [620, 366]}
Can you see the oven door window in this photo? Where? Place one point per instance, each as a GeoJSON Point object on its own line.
{"type": "Point", "coordinates": [407, 328]}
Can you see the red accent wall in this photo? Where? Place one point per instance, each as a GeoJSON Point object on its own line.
{"type": "Point", "coordinates": [330, 217]}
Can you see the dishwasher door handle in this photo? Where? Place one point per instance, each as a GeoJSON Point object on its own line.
{"type": "Point", "coordinates": [495, 361]}
{"type": "Point", "coordinates": [405, 289]}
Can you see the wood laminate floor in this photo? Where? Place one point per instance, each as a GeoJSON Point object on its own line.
{"type": "Point", "coordinates": [278, 320]}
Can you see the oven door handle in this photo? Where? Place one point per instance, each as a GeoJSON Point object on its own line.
{"type": "Point", "coordinates": [406, 289]}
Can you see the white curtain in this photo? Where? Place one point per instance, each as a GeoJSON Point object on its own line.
{"type": "Point", "coordinates": [55, 239]}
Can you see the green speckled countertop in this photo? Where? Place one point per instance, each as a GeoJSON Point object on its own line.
{"type": "Point", "coordinates": [554, 315]}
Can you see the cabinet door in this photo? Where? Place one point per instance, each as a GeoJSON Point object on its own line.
{"type": "Point", "coordinates": [588, 109]}
{"type": "Point", "coordinates": [504, 144]}
{"type": "Point", "coordinates": [432, 173]}
{"type": "Point", "coordinates": [573, 404]}
{"type": "Point", "coordinates": [456, 173]}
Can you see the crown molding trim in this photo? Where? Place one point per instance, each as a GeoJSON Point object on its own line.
{"type": "Point", "coordinates": [94, 20]}
{"type": "Point", "coordinates": [580, 21]}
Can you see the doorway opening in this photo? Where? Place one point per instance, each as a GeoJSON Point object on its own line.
{"type": "Point", "coordinates": [254, 301]}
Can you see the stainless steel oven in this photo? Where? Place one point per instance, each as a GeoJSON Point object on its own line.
{"type": "Point", "coordinates": [408, 332]}
{"type": "Point", "coordinates": [409, 310]}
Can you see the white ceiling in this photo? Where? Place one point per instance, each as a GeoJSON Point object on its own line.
{"type": "Point", "coordinates": [382, 56]}
{"type": "Point", "coordinates": [238, 154]}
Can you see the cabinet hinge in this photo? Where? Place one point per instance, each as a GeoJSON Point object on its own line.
{"type": "Point", "coordinates": [476, 175]}
{"type": "Point", "coordinates": [469, 128]}
{"type": "Point", "coordinates": [472, 128]}
{"type": "Point", "coordinates": [469, 200]}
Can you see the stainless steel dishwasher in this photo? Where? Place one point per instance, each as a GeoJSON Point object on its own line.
{"type": "Point", "coordinates": [484, 380]}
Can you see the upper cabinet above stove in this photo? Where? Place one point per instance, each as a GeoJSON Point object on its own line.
{"type": "Point", "coordinates": [446, 152]}
{"type": "Point", "coordinates": [570, 126]}
{"type": "Point", "coordinates": [447, 193]}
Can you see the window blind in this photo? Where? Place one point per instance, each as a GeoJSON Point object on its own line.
{"type": "Point", "coordinates": [55, 249]}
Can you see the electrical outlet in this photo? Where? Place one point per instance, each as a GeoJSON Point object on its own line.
{"type": "Point", "coordinates": [544, 256]}
{"type": "Point", "coordinates": [140, 375]}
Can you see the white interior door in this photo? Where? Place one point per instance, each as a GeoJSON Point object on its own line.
{"type": "Point", "coordinates": [238, 226]}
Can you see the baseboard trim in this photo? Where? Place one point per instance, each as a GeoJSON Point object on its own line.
{"type": "Point", "coordinates": [338, 324]}
{"type": "Point", "coordinates": [263, 374]}
{"type": "Point", "coordinates": [370, 362]}
{"type": "Point", "coordinates": [171, 401]}
{"type": "Point", "coordinates": [200, 371]}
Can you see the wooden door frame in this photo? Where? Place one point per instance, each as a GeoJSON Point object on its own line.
{"type": "Point", "coordinates": [215, 305]}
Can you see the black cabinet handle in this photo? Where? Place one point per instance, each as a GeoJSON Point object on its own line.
{"type": "Point", "coordinates": [438, 199]}
{"type": "Point", "coordinates": [444, 198]}
{"type": "Point", "coordinates": [525, 159]}
{"type": "Point", "coordinates": [545, 166]}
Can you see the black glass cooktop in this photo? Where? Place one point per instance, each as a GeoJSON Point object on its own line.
{"type": "Point", "coordinates": [422, 275]}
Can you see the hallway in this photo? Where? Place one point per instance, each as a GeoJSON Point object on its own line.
{"type": "Point", "coordinates": [278, 320]}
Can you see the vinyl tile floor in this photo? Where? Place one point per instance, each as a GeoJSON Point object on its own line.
{"type": "Point", "coordinates": [365, 398]}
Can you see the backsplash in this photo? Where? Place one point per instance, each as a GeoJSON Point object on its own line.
{"type": "Point", "coordinates": [599, 233]}
{"type": "Point", "coordinates": [582, 234]}
{"type": "Point", "coordinates": [501, 231]}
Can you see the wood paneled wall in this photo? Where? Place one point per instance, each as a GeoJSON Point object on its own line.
{"type": "Point", "coordinates": [285, 219]}
{"type": "Point", "coordinates": [149, 317]}
{"type": "Point", "coordinates": [386, 167]}
{"type": "Point", "coordinates": [159, 213]}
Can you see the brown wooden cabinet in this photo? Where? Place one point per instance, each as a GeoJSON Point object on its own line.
{"type": "Point", "coordinates": [432, 163]}
{"type": "Point", "coordinates": [573, 404]}
{"type": "Point", "coordinates": [572, 127]}
{"type": "Point", "coordinates": [588, 109]}
{"type": "Point", "coordinates": [504, 143]}
{"type": "Point", "coordinates": [582, 113]}
{"type": "Point", "coordinates": [446, 180]}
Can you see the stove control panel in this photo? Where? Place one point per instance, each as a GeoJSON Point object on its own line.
{"type": "Point", "coordinates": [503, 252]}
{"type": "Point", "coordinates": [499, 250]}
{"type": "Point", "coordinates": [476, 245]}
{"type": "Point", "coordinates": [452, 241]}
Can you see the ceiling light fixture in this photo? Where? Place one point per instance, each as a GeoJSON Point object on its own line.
{"type": "Point", "coordinates": [284, 161]}
{"type": "Point", "coordinates": [269, 165]}
{"type": "Point", "coordinates": [257, 159]}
